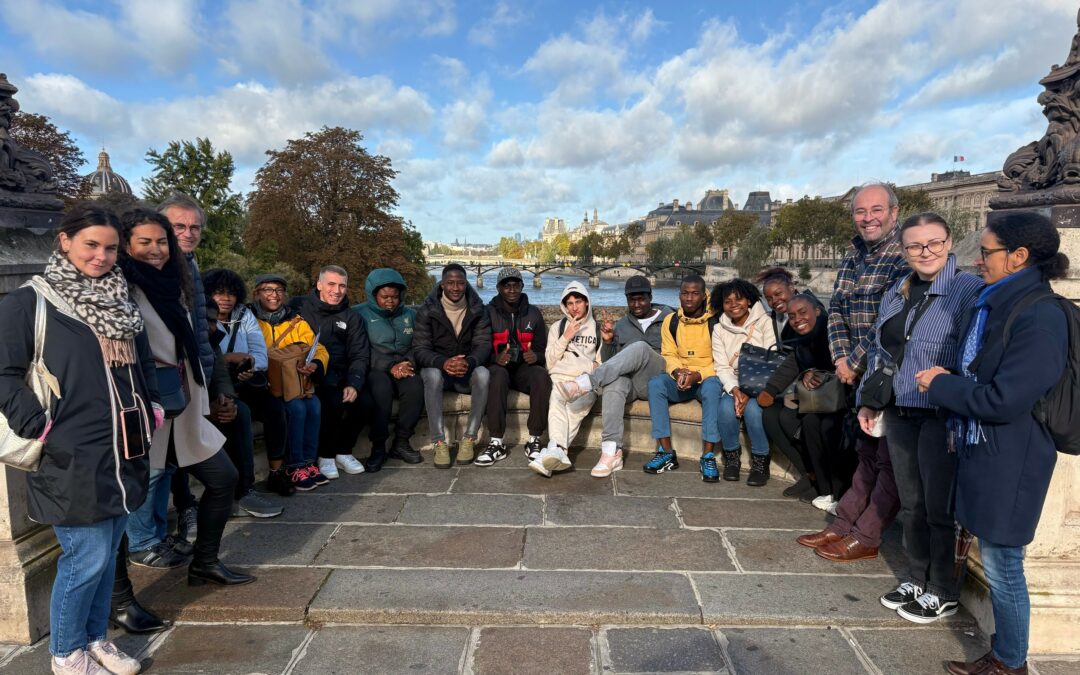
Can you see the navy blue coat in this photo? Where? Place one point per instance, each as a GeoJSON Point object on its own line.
{"type": "Point", "coordinates": [1001, 483]}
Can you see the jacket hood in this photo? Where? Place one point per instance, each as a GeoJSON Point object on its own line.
{"type": "Point", "coordinates": [757, 313]}
{"type": "Point", "coordinates": [574, 287]}
{"type": "Point", "coordinates": [383, 276]}
{"type": "Point", "coordinates": [705, 316]}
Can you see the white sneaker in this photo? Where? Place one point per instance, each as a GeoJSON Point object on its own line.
{"type": "Point", "coordinates": [112, 659]}
{"type": "Point", "coordinates": [328, 468]}
{"type": "Point", "coordinates": [611, 460]}
{"type": "Point", "coordinates": [77, 663]}
{"type": "Point", "coordinates": [825, 503]}
{"type": "Point", "coordinates": [556, 459]}
{"type": "Point", "coordinates": [348, 464]}
{"type": "Point", "coordinates": [537, 464]}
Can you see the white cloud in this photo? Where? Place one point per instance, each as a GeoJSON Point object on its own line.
{"type": "Point", "coordinates": [453, 73]}
{"type": "Point", "coordinates": [504, 15]}
{"type": "Point", "coordinates": [464, 124]}
{"type": "Point", "coordinates": [507, 152]}
{"type": "Point", "coordinates": [74, 36]}
{"type": "Point", "coordinates": [267, 37]}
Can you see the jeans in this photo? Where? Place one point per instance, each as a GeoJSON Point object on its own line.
{"type": "Point", "coordinates": [1004, 567]}
{"type": "Point", "coordinates": [436, 382]}
{"type": "Point", "coordinates": [663, 392]}
{"type": "Point", "coordinates": [343, 422]}
{"type": "Point", "coordinates": [82, 590]}
{"type": "Point", "coordinates": [924, 470]}
{"type": "Point", "coordinates": [303, 416]}
{"type": "Point", "coordinates": [377, 398]}
{"type": "Point", "coordinates": [149, 523]}
{"type": "Point", "coordinates": [755, 427]}
{"type": "Point", "coordinates": [624, 377]}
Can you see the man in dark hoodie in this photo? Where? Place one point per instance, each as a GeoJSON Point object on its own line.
{"type": "Point", "coordinates": [390, 325]}
{"type": "Point", "coordinates": [451, 344]}
{"type": "Point", "coordinates": [518, 341]}
{"type": "Point", "coordinates": [341, 331]}
{"type": "Point", "coordinates": [631, 357]}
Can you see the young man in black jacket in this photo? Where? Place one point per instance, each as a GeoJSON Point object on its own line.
{"type": "Point", "coordinates": [518, 341]}
{"type": "Point", "coordinates": [341, 331]}
{"type": "Point", "coordinates": [451, 344]}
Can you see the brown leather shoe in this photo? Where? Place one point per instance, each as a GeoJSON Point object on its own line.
{"type": "Point", "coordinates": [847, 549]}
{"type": "Point", "coordinates": [819, 538]}
{"type": "Point", "coordinates": [987, 664]}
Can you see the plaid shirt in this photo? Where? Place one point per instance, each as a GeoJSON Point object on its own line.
{"type": "Point", "coordinates": [865, 274]}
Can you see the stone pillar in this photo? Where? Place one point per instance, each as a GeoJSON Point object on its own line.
{"type": "Point", "coordinates": [28, 555]}
{"type": "Point", "coordinates": [652, 280]}
{"type": "Point", "coordinates": [479, 279]}
{"type": "Point", "coordinates": [536, 281]}
{"type": "Point", "coordinates": [594, 281]}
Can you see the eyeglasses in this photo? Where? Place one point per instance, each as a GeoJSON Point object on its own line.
{"type": "Point", "coordinates": [875, 211]}
{"type": "Point", "coordinates": [272, 291]}
{"type": "Point", "coordinates": [984, 252]}
{"type": "Point", "coordinates": [936, 246]}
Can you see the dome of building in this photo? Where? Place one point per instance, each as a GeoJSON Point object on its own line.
{"type": "Point", "coordinates": [105, 180]}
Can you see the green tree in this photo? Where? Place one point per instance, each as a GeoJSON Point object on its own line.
{"type": "Point", "coordinates": [546, 253]}
{"type": "Point", "coordinates": [324, 199]}
{"type": "Point", "coordinates": [38, 133]}
{"type": "Point", "coordinates": [533, 248]}
{"type": "Point", "coordinates": [804, 272]}
{"type": "Point", "coordinates": [658, 251]}
{"type": "Point", "coordinates": [704, 233]}
{"type": "Point", "coordinates": [510, 248]}
{"type": "Point", "coordinates": [732, 226]}
{"type": "Point", "coordinates": [561, 244]}
{"type": "Point", "coordinates": [912, 201]}
{"type": "Point", "coordinates": [588, 246]}
{"type": "Point", "coordinates": [809, 222]}
{"type": "Point", "coordinates": [753, 251]}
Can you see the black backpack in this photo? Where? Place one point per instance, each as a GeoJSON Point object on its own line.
{"type": "Point", "coordinates": [1060, 408]}
{"type": "Point", "coordinates": [673, 327]}
{"type": "Point", "coordinates": [562, 327]}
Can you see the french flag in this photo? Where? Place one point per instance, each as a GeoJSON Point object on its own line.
{"type": "Point", "coordinates": [958, 158]}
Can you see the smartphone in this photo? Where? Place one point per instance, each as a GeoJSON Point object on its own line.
{"type": "Point", "coordinates": [134, 432]}
{"type": "Point", "coordinates": [244, 366]}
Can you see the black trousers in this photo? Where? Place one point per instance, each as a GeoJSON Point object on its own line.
{"type": "Point", "coordinates": [239, 447]}
{"type": "Point", "coordinates": [377, 399]}
{"type": "Point", "coordinates": [341, 422]}
{"type": "Point", "coordinates": [782, 426]}
{"type": "Point", "coordinates": [528, 379]}
{"type": "Point", "coordinates": [924, 470]}
{"type": "Point", "coordinates": [270, 410]}
{"type": "Point", "coordinates": [815, 439]}
{"type": "Point", "coordinates": [218, 476]}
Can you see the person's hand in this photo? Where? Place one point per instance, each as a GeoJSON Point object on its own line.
{"type": "Point", "coordinates": [923, 378]}
{"type": "Point", "coordinates": [456, 366]}
{"type": "Point", "coordinates": [306, 369]}
{"type": "Point", "coordinates": [740, 401]}
{"type": "Point", "coordinates": [246, 375]}
{"type": "Point", "coordinates": [607, 326]}
{"type": "Point", "coordinates": [222, 410]}
{"type": "Point", "coordinates": [159, 415]}
{"type": "Point", "coordinates": [845, 372]}
{"type": "Point", "coordinates": [349, 394]}
{"type": "Point", "coordinates": [811, 379]}
{"type": "Point", "coordinates": [529, 356]}
{"type": "Point", "coordinates": [504, 356]}
{"type": "Point", "coordinates": [867, 418]}
{"type": "Point", "coordinates": [400, 371]}
{"type": "Point", "coordinates": [572, 327]}
{"type": "Point", "coordinates": [765, 399]}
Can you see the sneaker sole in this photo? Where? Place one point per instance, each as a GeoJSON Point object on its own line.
{"type": "Point", "coordinates": [261, 514]}
{"type": "Point", "coordinates": [710, 479]}
{"type": "Point", "coordinates": [539, 468]}
{"type": "Point", "coordinates": [483, 462]}
{"type": "Point", "coordinates": [443, 466]}
{"type": "Point", "coordinates": [925, 619]}
{"type": "Point", "coordinates": [604, 473]}
{"type": "Point", "coordinates": [352, 472]}
{"type": "Point", "coordinates": [555, 464]}
{"type": "Point", "coordinates": [331, 476]}
{"type": "Point", "coordinates": [465, 462]}
{"type": "Point", "coordinates": [305, 489]}
{"type": "Point", "coordinates": [670, 466]}
{"type": "Point", "coordinates": [889, 604]}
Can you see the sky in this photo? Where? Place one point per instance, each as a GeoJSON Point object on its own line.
{"type": "Point", "coordinates": [497, 115]}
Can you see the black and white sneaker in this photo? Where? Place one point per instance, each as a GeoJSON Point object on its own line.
{"type": "Point", "coordinates": [901, 595]}
{"type": "Point", "coordinates": [491, 454]}
{"type": "Point", "coordinates": [927, 608]}
{"type": "Point", "coordinates": [533, 448]}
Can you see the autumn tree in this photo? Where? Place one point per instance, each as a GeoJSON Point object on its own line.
{"type": "Point", "coordinates": [912, 201]}
{"type": "Point", "coordinates": [732, 226]}
{"type": "Point", "coordinates": [810, 222]}
{"type": "Point", "coordinates": [510, 248]}
{"type": "Point", "coordinates": [753, 252]}
{"type": "Point", "coordinates": [38, 133]}
{"type": "Point", "coordinates": [324, 199]}
{"type": "Point", "coordinates": [561, 244]}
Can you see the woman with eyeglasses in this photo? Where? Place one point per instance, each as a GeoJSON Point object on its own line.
{"type": "Point", "coordinates": [917, 328]}
{"type": "Point", "coordinates": [1006, 457]}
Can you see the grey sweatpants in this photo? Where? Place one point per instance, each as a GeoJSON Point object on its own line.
{"type": "Point", "coordinates": [623, 378]}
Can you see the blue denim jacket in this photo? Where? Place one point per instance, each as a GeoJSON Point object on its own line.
{"type": "Point", "coordinates": [936, 338]}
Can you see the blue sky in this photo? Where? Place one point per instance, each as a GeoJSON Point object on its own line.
{"type": "Point", "coordinates": [500, 114]}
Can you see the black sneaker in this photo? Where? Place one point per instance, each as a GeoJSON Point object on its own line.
{"type": "Point", "coordinates": [375, 460]}
{"type": "Point", "coordinates": [278, 481]}
{"type": "Point", "coordinates": [759, 471]}
{"type": "Point", "coordinates": [181, 546]}
{"type": "Point", "coordinates": [801, 486]}
{"type": "Point", "coordinates": [494, 452]}
{"type": "Point", "coordinates": [901, 595]}
{"type": "Point", "coordinates": [732, 464]}
{"type": "Point", "coordinates": [405, 452]}
{"type": "Point", "coordinates": [159, 556]}
{"type": "Point", "coordinates": [533, 448]}
{"type": "Point", "coordinates": [663, 460]}
{"type": "Point", "coordinates": [927, 608]}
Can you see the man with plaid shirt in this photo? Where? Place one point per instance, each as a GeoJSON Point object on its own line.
{"type": "Point", "coordinates": [872, 265]}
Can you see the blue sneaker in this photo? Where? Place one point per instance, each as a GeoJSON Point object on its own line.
{"type": "Point", "coordinates": [663, 460]}
{"type": "Point", "coordinates": [709, 472]}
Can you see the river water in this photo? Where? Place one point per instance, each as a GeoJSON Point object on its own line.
{"type": "Point", "coordinates": [610, 293]}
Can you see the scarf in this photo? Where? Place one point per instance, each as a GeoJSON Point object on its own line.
{"type": "Point", "coordinates": [162, 289]}
{"type": "Point", "coordinates": [272, 318]}
{"type": "Point", "coordinates": [103, 304]}
{"type": "Point", "coordinates": [455, 311]}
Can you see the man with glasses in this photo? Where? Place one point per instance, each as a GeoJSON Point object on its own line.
{"type": "Point", "coordinates": [871, 266]}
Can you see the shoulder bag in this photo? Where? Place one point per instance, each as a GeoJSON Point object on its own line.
{"type": "Point", "coordinates": [829, 397]}
{"type": "Point", "coordinates": [172, 387]}
{"type": "Point", "coordinates": [286, 382]}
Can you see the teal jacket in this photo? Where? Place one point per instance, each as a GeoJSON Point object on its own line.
{"type": "Point", "coordinates": [390, 333]}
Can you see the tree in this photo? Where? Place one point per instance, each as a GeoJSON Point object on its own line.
{"type": "Point", "coordinates": [753, 252]}
{"type": "Point", "coordinates": [533, 248]}
{"type": "Point", "coordinates": [658, 251]}
{"type": "Point", "coordinates": [324, 199]}
{"type": "Point", "coordinates": [809, 222]}
{"type": "Point", "coordinates": [912, 201]}
{"type": "Point", "coordinates": [732, 226]}
{"type": "Point", "coordinates": [38, 133]}
{"type": "Point", "coordinates": [704, 233]}
{"type": "Point", "coordinates": [561, 244]}
{"type": "Point", "coordinates": [510, 248]}
{"type": "Point", "coordinates": [546, 253]}
{"type": "Point", "coordinates": [804, 271]}
{"type": "Point", "coordinates": [588, 246]}
{"type": "Point", "coordinates": [199, 171]}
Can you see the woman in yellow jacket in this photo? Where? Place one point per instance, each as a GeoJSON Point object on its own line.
{"type": "Point", "coordinates": [281, 324]}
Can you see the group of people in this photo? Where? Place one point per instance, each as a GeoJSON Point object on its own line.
{"type": "Point", "coordinates": [905, 395]}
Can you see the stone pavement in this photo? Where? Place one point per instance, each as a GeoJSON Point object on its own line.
{"type": "Point", "coordinates": [498, 570]}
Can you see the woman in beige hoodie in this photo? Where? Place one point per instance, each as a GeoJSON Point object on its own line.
{"type": "Point", "coordinates": [573, 348]}
{"type": "Point", "coordinates": [744, 321]}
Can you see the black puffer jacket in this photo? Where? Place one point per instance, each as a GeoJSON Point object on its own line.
{"type": "Point", "coordinates": [342, 332]}
{"type": "Point", "coordinates": [434, 340]}
{"type": "Point", "coordinates": [527, 322]}
{"type": "Point", "coordinates": [83, 477]}
{"type": "Point", "coordinates": [807, 351]}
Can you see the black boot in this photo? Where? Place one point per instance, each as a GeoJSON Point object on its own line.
{"type": "Point", "coordinates": [199, 574]}
{"type": "Point", "coordinates": [125, 611]}
{"type": "Point", "coordinates": [732, 464]}
{"type": "Point", "coordinates": [376, 459]}
{"type": "Point", "coordinates": [759, 470]}
{"type": "Point", "coordinates": [405, 452]}
{"type": "Point", "coordinates": [278, 482]}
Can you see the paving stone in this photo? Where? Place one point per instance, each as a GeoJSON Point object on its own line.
{"type": "Point", "coordinates": [228, 650]}
{"type": "Point", "coordinates": [791, 651]}
{"type": "Point", "coordinates": [401, 546]}
{"type": "Point", "coordinates": [384, 650]}
{"type": "Point", "coordinates": [610, 510]}
{"type": "Point", "coordinates": [424, 479]}
{"type": "Point", "coordinates": [775, 551]}
{"type": "Point", "coordinates": [35, 659]}
{"type": "Point", "coordinates": [624, 549]}
{"type": "Point", "coordinates": [921, 650]}
{"type": "Point", "coordinates": [251, 542]}
{"type": "Point", "coordinates": [1050, 667]}
{"type": "Point", "coordinates": [533, 651]}
{"type": "Point", "coordinates": [166, 592]}
{"type": "Point", "coordinates": [686, 482]}
{"type": "Point", "coordinates": [343, 508]}
{"type": "Point", "coordinates": [574, 482]}
{"type": "Point", "coordinates": [468, 509]}
{"type": "Point", "coordinates": [470, 597]}
{"type": "Point", "coordinates": [783, 599]}
{"type": "Point", "coordinates": [664, 650]}
{"type": "Point", "coordinates": [787, 514]}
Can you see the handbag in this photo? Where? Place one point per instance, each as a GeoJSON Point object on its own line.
{"type": "Point", "coordinates": [286, 382]}
{"type": "Point", "coordinates": [172, 387]}
{"type": "Point", "coordinates": [16, 451]}
{"type": "Point", "coordinates": [829, 397]}
{"type": "Point", "coordinates": [756, 366]}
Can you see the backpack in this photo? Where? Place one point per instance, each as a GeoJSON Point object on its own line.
{"type": "Point", "coordinates": [673, 327]}
{"type": "Point", "coordinates": [1059, 409]}
{"type": "Point", "coordinates": [562, 327]}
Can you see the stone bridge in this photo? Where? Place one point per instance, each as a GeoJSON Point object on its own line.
{"type": "Point", "coordinates": [593, 270]}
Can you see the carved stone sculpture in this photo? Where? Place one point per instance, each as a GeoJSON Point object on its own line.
{"type": "Point", "coordinates": [26, 178]}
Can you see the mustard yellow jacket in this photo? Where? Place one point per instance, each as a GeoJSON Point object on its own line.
{"type": "Point", "coordinates": [692, 347]}
{"type": "Point", "coordinates": [301, 334]}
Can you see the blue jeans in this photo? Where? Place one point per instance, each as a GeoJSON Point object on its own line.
{"type": "Point", "coordinates": [303, 422]}
{"type": "Point", "coordinates": [1004, 567]}
{"type": "Point", "coordinates": [663, 392]}
{"type": "Point", "coordinates": [149, 523]}
{"type": "Point", "coordinates": [82, 591]}
{"type": "Point", "coordinates": [755, 427]}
